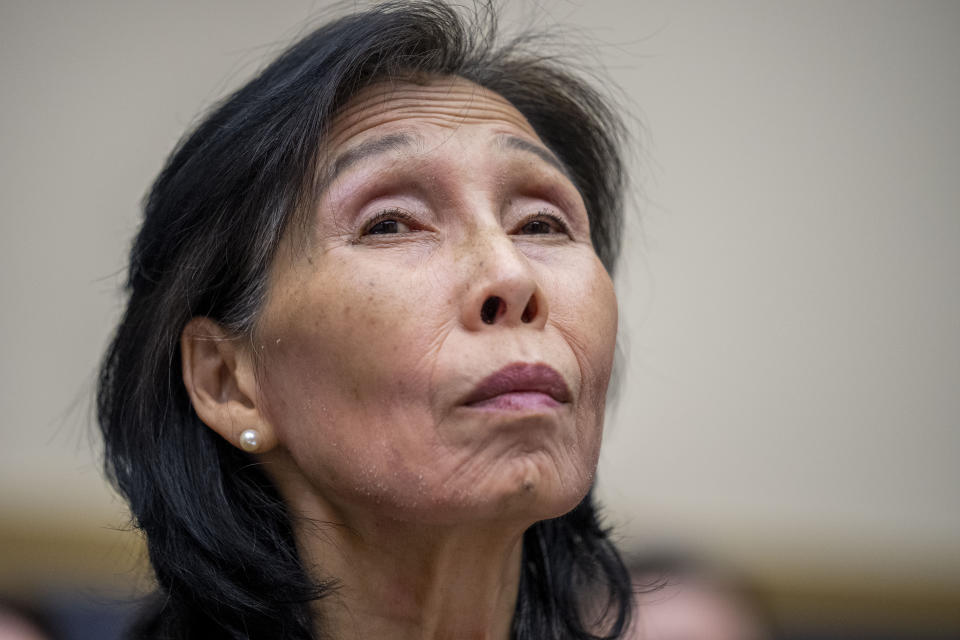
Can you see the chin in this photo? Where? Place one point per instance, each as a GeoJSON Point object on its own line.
{"type": "Point", "coordinates": [530, 488]}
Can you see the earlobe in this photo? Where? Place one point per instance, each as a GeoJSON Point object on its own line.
{"type": "Point", "coordinates": [218, 374]}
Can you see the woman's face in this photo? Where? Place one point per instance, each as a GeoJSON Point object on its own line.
{"type": "Point", "coordinates": [440, 348]}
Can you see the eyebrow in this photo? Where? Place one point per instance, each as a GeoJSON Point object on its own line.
{"type": "Point", "coordinates": [364, 150]}
{"type": "Point", "coordinates": [403, 140]}
{"type": "Point", "coordinates": [519, 144]}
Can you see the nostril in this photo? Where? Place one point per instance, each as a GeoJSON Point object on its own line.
{"type": "Point", "coordinates": [490, 309]}
{"type": "Point", "coordinates": [530, 312]}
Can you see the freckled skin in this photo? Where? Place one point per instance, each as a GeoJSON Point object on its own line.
{"type": "Point", "coordinates": [382, 333]}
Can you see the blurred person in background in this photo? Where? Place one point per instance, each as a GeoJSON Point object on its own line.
{"type": "Point", "coordinates": [681, 598]}
{"type": "Point", "coordinates": [23, 621]}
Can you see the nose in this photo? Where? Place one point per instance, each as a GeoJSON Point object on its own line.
{"type": "Point", "coordinates": [503, 288]}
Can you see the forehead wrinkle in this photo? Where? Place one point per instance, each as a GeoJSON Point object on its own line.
{"type": "Point", "coordinates": [442, 113]}
{"type": "Point", "coordinates": [445, 101]}
{"type": "Point", "coordinates": [387, 96]}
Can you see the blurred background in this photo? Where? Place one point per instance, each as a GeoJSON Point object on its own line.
{"type": "Point", "coordinates": [790, 291]}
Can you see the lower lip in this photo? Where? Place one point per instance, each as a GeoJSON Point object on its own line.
{"type": "Point", "coordinates": [517, 401]}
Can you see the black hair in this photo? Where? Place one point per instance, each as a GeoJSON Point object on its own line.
{"type": "Point", "coordinates": [218, 534]}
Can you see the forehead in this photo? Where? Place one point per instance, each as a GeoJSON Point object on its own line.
{"type": "Point", "coordinates": [439, 103]}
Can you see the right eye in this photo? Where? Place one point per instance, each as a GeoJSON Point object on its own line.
{"type": "Point", "coordinates": [388, 226]}
{"type": "Point", "coordinates": [389, 222]}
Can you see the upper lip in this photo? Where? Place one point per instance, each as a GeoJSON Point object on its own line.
{"type": "Point", "coordinates": [521, 376]}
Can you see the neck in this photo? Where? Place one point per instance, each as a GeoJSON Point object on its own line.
{"type": "Point", "coordinates": [400, 579]}
{"type": "Point", "coordinates": [412, 585]}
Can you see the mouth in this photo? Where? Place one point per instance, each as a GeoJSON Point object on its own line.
{"type": "Point", "coordinates": [520, 387]}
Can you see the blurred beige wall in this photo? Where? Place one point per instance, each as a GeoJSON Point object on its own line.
{"type": "Point", "coordinates": [790, 292]}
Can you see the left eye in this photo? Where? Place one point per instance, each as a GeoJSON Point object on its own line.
{"type": "Point", "coordinates": [544, 223]}
{"type": "Point", "coordinates": [536, 227]}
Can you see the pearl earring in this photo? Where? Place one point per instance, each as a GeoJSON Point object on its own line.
{"type": "Point", "coordinates": [250, 440]}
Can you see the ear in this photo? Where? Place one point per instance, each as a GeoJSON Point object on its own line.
{"type": "Point", "coordinates": [218, 373]}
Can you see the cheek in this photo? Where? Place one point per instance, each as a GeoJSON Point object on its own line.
{"type": "Point", "coordinates": [584, 308]}
{"type": "Point", "coordinates": [344, 357]}
{"type": "Point", "coordinates": [585, 311]}
{"type": "Point", "coordinates": [347, 330]}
